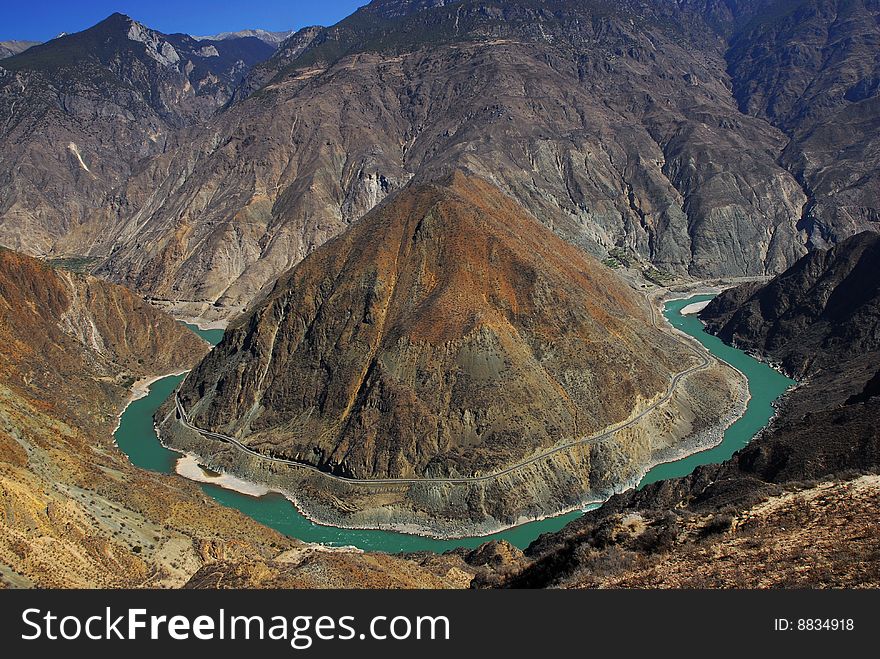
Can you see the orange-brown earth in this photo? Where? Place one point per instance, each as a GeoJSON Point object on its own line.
{"type": "Point", "coordinates": [445, 334]}
{"type": "Point", "coordinates": [73, 511]}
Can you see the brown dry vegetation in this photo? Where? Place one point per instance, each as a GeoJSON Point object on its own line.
{"type": "Point", "coordinates": [821, 537]}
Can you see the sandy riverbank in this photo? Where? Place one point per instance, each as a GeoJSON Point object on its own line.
{"type": "Point", "coordinates": [204, 315]}
{"type": "Point", "coordinates": [694, 308]}
{"type": "Point", "coordinates": [188, 466]}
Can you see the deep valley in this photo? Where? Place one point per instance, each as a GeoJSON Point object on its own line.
{"type": "Point", "coordinates": [445, 294]}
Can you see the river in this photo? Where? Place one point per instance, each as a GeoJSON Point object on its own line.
{"type": "Point", "coordinates": [137, 438]}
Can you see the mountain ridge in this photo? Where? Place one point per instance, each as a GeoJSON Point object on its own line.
{"type": "Point", "coordinates": [829, 300]}
{"type": "Point", "coordinates": [79, 113]}
{"type": "Point", "coordinates": [595, 179]}
{"type": "Point", "coordinates": [632, 129]}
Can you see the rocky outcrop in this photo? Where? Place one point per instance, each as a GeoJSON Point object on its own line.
{"type": "Point", "coordinates": [818, 536]}
{"type": "Point", "coordinates": [823, 310]}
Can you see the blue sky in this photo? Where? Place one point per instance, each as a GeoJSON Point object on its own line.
{"type": "Point", "coordinates": [44, 19]}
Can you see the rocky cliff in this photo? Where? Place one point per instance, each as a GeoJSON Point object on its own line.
{"type": "Point", "coordinates": [810, 68]}
{"type": "Point", "coordinates": [823, 310]}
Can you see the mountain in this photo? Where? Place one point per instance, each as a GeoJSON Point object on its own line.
{"type": "Point", "coordinates": [645, 151]}
{"type": "Point", "coordinates": [287, 51]}
{"type": "Point", "coordinates": [446, 335]}
{"type": "Point", "coordinates": [809, 67]}
{"type": "Point", "coordinates": [10, 48]}
{"type": "Point", "coordinates": [647, 129]}
{"type": "Point", "coordinates": [179, 78]}
{"type": "Point", "coordinates": [792, 537]}
{"type": "Point", "coordinates": [77, 115]}
{"type": "Point", "coordinates": [61, 325]}
{"type": "Point", "coordinates": [795, 507]}
{"type": "Point", "coordinates": [271, 38]}
{"type": "Point", "coordinates": [823, 310]}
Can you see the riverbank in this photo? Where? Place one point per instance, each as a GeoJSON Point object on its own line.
{"type": "Point", "coordinates": [694, 308]}
{"type": "Point", "coordinates": [141, 389]}
{"type": "Point", "coordinates": [204, 315]}
{"type": "Point", "coordinates": [705, 437]}
{"type": "Point", "coordinates": [188, 466]}
{"type": "Point", "coordinates": [607, 465]}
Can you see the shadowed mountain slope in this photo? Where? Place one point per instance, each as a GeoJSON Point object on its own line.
{"type": "Point", "coordinates": [825, 309]}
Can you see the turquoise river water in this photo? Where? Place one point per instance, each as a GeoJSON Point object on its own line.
{"type": "Point", "coordinates": [137, 438]}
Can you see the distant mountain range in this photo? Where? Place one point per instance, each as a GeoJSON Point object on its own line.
{"type": "Point", "coordinates": [10, 48]}
{"type": "Point", "coordinates": [274, 38]}
{"type": "Point", "coordinates": [13, 47]}
{"type": "Point", "coordinates": [704, 138]}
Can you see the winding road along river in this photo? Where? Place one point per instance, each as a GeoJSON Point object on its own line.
{"type": "Point", "coordinates": [137, 438]}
